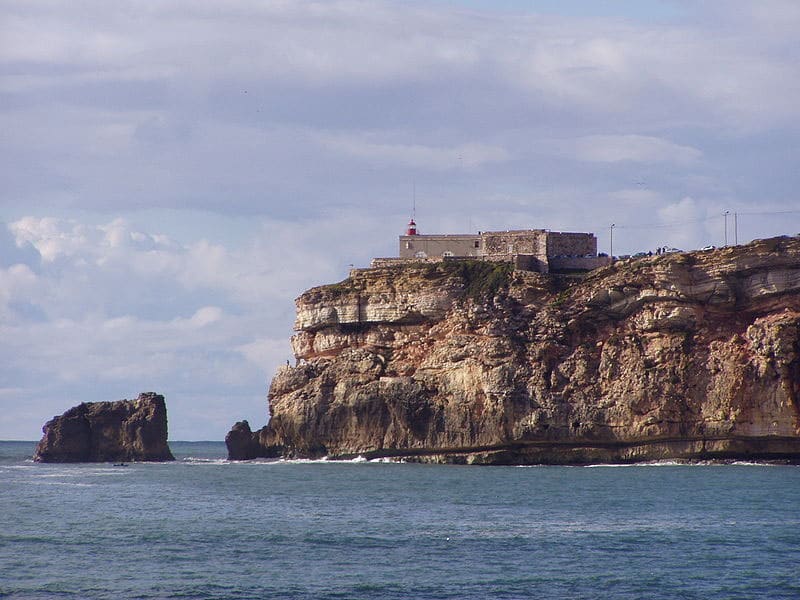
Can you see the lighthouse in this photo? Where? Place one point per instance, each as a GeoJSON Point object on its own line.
{"type": "Point", "coordinates": [412, 228]}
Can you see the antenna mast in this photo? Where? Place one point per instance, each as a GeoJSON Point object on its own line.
{"type": "Point", "coordinates": [412, 226]}
{"type": "Point", "coordinates": [414, 200]}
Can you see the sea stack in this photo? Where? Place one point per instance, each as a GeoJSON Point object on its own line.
{"type": "Point", "coordinates": [241, 443]}
{"type": "Point", "coordinates": [685, 355]}
{"type": "Point", "coordinates": [125, 430]}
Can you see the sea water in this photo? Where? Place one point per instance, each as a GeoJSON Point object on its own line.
{"type": "Point", "coordinates": [203, 527]}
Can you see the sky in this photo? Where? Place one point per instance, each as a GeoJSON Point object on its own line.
{"type": "Point", "coordinates": [174, 174]}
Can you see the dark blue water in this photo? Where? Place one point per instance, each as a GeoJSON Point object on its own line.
{"type": "Point", "coordinates": [205, 528]}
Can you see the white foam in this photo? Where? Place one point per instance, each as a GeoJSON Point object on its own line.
{"type": "Point", "coordinates": [205, 461]}
{"type": "Point", "coordinates": [304, 461]}
{"type": "Point", "coordinates": [325, 460]}
{"type": "Point", "coordinates": [62, 483]}
{"type": "Point", "coordinates": [676, 463]}
{"type": "Point", "coordinates": [79, 472]}
{"type": "Point", "coordinates": [622, 465]}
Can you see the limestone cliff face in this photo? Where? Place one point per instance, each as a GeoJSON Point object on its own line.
{"type": "Point", "coordinates": [692, 355]}
{"type": "Point", "coordinates": [125, 430]}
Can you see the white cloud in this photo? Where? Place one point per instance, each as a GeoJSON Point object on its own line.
{"type": "Point", "coordinates": [206, 316]}
{"type": "Point", "coordinates": [242, 105]}
{"type": "Point", "coordinates": [264, 351]}
{"type": "Point", "coordinates": [17, 284]}
{"type": "Point", "coordinates": [685, 210]}
{"type": "Point", "coordinates": [780, 17]}
{"type": "Point", "coordinates": [634, 148]}
{"type": "Point", "coordinates": [687, 224]}
{"type": "Point", "coordinates": [248, 273]}
{"type": "Point", "coordinates": [605, 65]}
{"type": "Point", "coordinates": [462, 156]}
{"type": "Point", "coordinates": [51, 238]}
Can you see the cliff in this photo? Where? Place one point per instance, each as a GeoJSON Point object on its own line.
{"type": "Point", "coordinates": [125, 430]}
{"type": "Point", "coordinates": [688, 356]}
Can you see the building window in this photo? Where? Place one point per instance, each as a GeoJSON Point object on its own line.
{"type": "Point", "coordinates": [409, 246]}
{"type": "Point", "coordinates": [477, 243]}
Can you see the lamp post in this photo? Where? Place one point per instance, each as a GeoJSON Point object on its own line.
{"type": "Point", "coordinates": [725, 214]}
{"type": "Point", "coordinates": [611, 251]}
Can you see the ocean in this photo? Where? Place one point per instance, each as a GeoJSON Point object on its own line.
{"type": "Point", "coordinates": [205, 528]}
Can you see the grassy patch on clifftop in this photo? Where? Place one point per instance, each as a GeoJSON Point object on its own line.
{"type": "Point", "coordinates": [341, 287]}
{"type": "Point", "coordinates": [481, 279]}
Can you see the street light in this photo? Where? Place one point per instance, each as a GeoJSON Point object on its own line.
{"type": "Point", "coordinates": [725, 214]}
{"type": "Point", "coordinates": [611, 252]}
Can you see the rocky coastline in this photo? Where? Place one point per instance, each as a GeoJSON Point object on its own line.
{"type": "Point", "coordinates": [687, 356]}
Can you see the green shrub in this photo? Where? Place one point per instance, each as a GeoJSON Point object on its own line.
{"type": "Point", "coordinates": [481, 279]}
{"type": "Point", "coordinates": [562, 297]}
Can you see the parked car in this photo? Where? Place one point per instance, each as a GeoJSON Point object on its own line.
{"type": "Point", "coordinates": [708, 248]}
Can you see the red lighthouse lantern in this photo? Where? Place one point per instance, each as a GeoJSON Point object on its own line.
{"type": "Point", "coordinates": [412, 228]}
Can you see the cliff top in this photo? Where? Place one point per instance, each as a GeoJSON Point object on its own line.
{"type": "Point", "coordinates": [725, 278]}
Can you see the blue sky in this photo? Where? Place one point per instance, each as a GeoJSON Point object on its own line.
{"type": "Point", "coordinates": [174, 174]}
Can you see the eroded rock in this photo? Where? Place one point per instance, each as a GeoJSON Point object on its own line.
{"type": "Point", "coordinates": [242, 443]}
{"type": "Point", "coordinates": [125, 430]}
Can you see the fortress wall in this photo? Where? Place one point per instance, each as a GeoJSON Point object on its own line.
{"type": "Point", "coordinates": [393, 262]}
{"type": "Point", "coordinates": [438, 245]}
{"type": "Point", "coordinates": [530, 262]}
{"type": "Point", "coordinates": [532, 242]}
{"type": "Point", "coordinates": [579, 263]}
{"type": "Point", "coordinates": [571, 244]}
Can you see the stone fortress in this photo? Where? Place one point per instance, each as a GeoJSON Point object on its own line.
{"type": "Point", "coordinates": [537, 250]}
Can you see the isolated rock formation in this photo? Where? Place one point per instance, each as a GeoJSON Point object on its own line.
{"type": "Point", "coordinates": [126, 430]}
{"type": "Point", "coordinates": [243, 445]}
{"type": "Point", "coordinates": [688, 356]}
